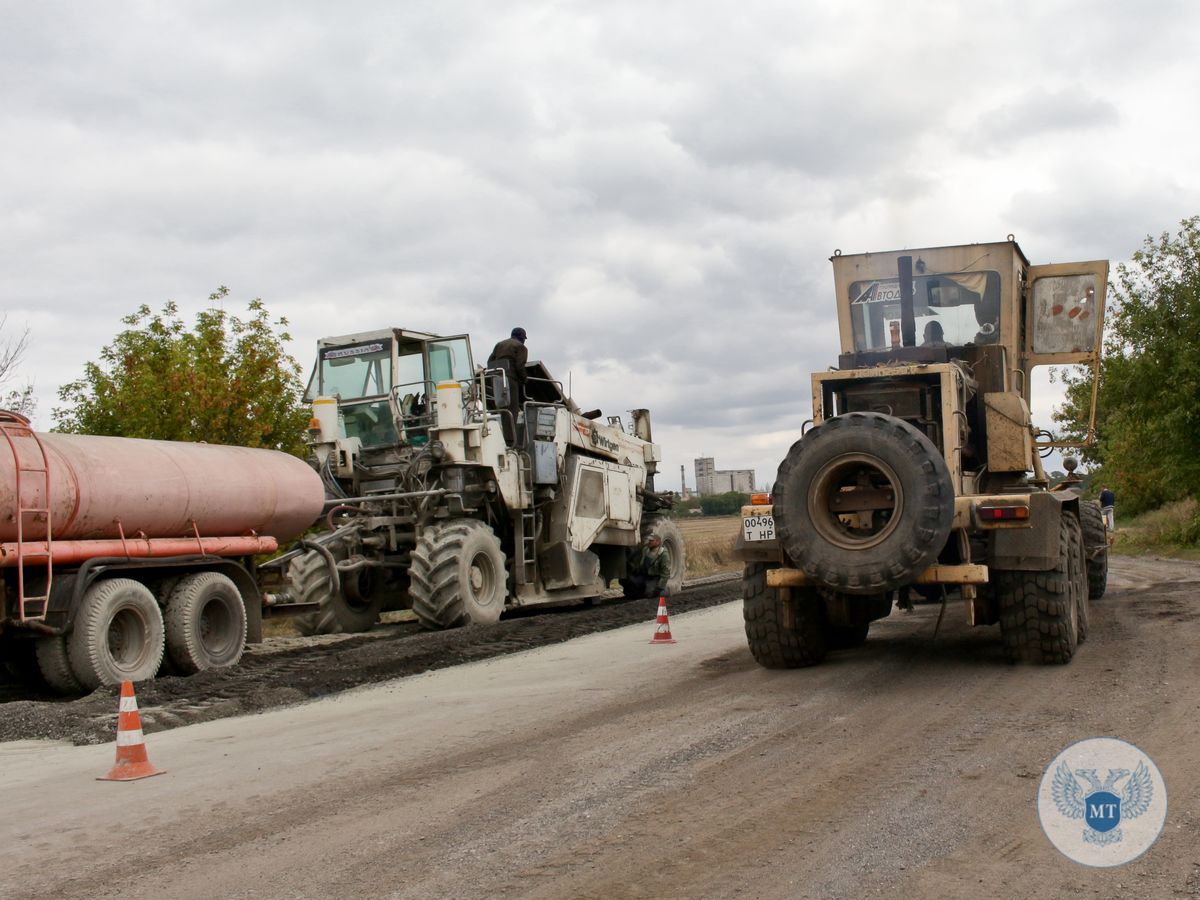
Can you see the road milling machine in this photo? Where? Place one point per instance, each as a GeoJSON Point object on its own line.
{"type": "Point", "coordinates": [447, 498]}
{"type": "Point", "coordinates": [922, 473]}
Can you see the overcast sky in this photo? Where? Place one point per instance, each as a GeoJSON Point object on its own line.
{"type": "Point", "coordinates": [652, 190]}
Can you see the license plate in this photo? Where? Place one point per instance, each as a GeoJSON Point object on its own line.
{"type": "Point", "coordinates": [758, 528]}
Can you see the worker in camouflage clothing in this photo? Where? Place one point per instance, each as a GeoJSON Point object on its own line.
{"type": "Point", "coordinates": [648, 569]}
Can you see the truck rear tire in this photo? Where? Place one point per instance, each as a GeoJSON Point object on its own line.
{"type": "Point", "coordinates": [1039, 611]}
{"type": "Point", "coordinates": [205, 623]}
{"type": "Point", "coordinates": [1095, 544]}
{"type": "Point", "coordinates": [354, 609]}
{"type": "Point", "coordinates": [863, 503]}
{"type": "Point", "coordinates": [672, 542]}
{"type": "Point", "coordinates": [55, 666]}
{"type": "Point", "coordinates": [458, 575]}
{"type": "Point", "coordinates": [773, 644]}
{"type": "Point", "coordinates": [118, 634]}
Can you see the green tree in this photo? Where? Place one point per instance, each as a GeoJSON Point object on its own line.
{"type": "Point", "coordinates": [224, 381]}
{"type": "Point", "coordinates": [727, 504]}
{"type": "Point", "coordinates": [1148, 406]}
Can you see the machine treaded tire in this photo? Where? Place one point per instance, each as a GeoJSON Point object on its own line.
{"type": "Point", "coordinates": [458, 575]}
{"type": "Point", "coordinates": [891, 451]}
{"type": "Point", "coordinates": [1038, 611]}
{"type": "Point", "coordinates": [1095, 543]}
{"type": "Point", "coordinates": [118, 634]}
{"type": "Point", "coordinates": [55, 666]}
{"type": "Point", "coordinates": [772, 644]}
{"type": "Point", "coordinates": [349, 612]}
{"type": "Point", "coordinates": [672, 541]}
{"type": "Point", "coordinates": [205, 623]}
{"type": "Point", "coordinates": [1078, 575]}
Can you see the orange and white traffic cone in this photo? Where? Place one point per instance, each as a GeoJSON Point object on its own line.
{"type": "Point", "coordinates": [662, 629]}
{"type": "Point", "coordinates": [132, 763]}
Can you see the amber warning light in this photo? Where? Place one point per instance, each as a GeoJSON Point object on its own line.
{"type": "Point", "coordinates": [760, 499]}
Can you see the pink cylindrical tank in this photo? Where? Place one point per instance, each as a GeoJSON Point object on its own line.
{"type": "Point", "coordinates": [103, 487]}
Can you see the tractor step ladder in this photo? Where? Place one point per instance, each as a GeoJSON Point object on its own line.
{"type": "Point", "coordinates": [12, 426]}
{"type": "Point", "coordinates": [526, 543]}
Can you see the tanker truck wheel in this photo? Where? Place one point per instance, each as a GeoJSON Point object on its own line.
{"type": "Point", "coordinates": [356, 608]}
{"type": "Point", "coordinates": [1095, 544]}
{"type": "Point", "coordinates": [672, 541]}
{"type": "Point", "coordinates": [118, 634]}
{"type": "Point", "coordinates": [205, 623]}
{"type": "Point", "coordinates": [863, 503]}
{"type": "Point", "coordinates": [780, 638]}
{"type": "Point", "coordinates": [56, 667]}
{"type": "Point", "coordinates": [1039, 611]}
{"type": "Point", "coordinates": [458, 575]}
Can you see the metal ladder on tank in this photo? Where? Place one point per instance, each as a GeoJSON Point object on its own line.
{"type": "Point", "coordinates": [526, 543]}
{"type": "Point", "coordinates": [12, 426]}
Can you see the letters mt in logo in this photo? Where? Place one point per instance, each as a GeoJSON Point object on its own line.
{"type": "Point", "coordinates": [1102, 802]}
{"type": "Point", "coordinates": [1099, 807]}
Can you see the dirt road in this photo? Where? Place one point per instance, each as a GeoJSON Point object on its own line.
{"type": "Point", "coordinates": [603, 767]}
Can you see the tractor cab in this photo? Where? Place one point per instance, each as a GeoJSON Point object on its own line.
{"type": "Point", "coordinates": [384, 382]}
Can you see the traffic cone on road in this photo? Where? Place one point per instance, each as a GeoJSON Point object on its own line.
{"type": "Point", "coordinates": [662, 628]}
{"type": "Point", "coordinates": [132, 763]}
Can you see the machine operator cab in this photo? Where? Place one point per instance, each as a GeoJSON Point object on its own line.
{"type": "Point", "coordinates": [983, 304]}
{"type": "Point", "coordinates": [384, 382]}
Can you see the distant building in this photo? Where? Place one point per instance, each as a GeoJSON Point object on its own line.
{"type": "Point", "coordinates": [711, 480]}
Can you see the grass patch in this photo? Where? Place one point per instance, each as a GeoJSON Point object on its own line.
{"type": "Point", "coordinates": [1172, 530]}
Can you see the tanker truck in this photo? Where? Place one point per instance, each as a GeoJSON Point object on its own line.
{"type": "Point", "coordinates": [116, 552]}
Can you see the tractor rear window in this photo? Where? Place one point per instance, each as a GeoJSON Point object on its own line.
{"type": "Point", "coordinates": [950, 310]}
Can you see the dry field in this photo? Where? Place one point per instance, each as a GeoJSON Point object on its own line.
{"type": "Point", "coordinates": [709, 542]}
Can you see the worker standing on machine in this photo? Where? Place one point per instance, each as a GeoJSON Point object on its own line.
{"type": "Point", "coordinates": [511, 355]}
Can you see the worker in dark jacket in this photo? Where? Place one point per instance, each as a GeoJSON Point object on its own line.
{"type": "Point", "coordinates": [1108, 500]}
{"type": "Point", "coordinates": [511, 356]}
{"type": "Point", "coordinates": [648, 569]}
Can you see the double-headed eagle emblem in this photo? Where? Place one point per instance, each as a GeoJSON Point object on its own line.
{"type": "Point", "coordinates": [1099, 805]}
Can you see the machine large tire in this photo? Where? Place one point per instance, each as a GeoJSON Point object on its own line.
{"type": "Point", "coordinates": [1039, 611]}
{"type": "Point", "coordinates": [355, 608]}
{"type": "Point", "coordinates": [118, 634]}
{"type": "Point", "coordinates": [863, 503]}
{"type": "Point", "coordinates": [1095, 543]}
{"type": "Point", "coordinates": [672, 542]}
{"type": "Point", "coordinates": [773, 644]}
{"type": "Point", "coordinates": [56, 667]}
{"type": "Point", "coordinates": [205, 623]}
{"type": "Point", "coordinates": [458, 575]}
{"type": "Point", "coordinates": [1078, 575]}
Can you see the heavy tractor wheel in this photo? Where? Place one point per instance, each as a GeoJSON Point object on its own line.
{"type": "Point", "coordinates": [56, 667]}
{"type": "Point", "coordinates": [205, 623]}
{"type": "Point", "coordinates": [1095, 545]}
{"type": "Point", "coordinates": [458, 575]}
{"type": "Point", "coordinates": [672, 542]}
{"type": "Point", "coordinates": [1040, 611]}
{"type": "Point", "coordinates": [356, 607]}
{"type": "Point", "coordinates": [780, 638]}
{"type": "Point", "coordinates": [118, 634]}
{"type": "Point", "coordinates": [863, 503]}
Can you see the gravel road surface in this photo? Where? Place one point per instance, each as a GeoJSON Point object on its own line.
{"type": "Point", "coordinates": [604, 767]}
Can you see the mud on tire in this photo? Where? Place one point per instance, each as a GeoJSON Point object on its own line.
{"type": "Point", "coordinates": [354, 609]}
{"type": "Point", "coordinates": [863, 503]}
{"type": "Point", "coordinates": [1095, 543]}
{"type": "Point", "coordinates": [773, 644]}
{"type": "Point", "coordinates": [205, 623]}
{"type": "Point", "coordinates": [458, 575]}
{"type": "Point", "coordinates": [1039, 611]}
